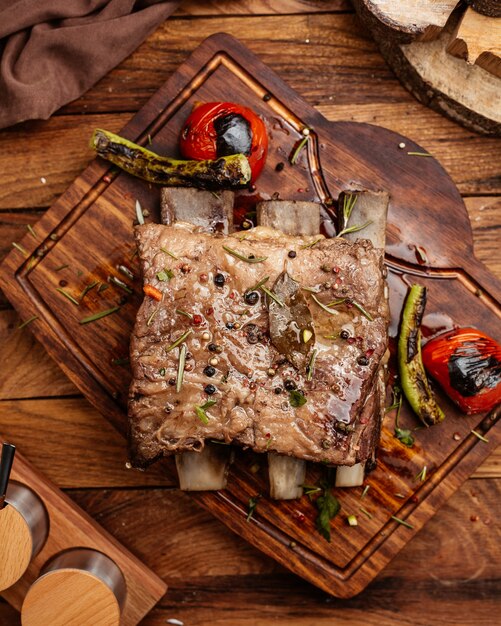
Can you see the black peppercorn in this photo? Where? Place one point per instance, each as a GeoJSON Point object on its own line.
{"type": "Point", "coordinates": [267, 97]}
{"type": "Point", "coordinates": [363, 360]}
{"type": "Point", "coordinates": [278, 390]}
{"type": "Point", "coordinates": [290, 385]}
{"type": "Point", "coordinates": [252, 297]}
{"type": "Point", "coordinates": [344, 334]}
{"type": "Point", "coordinates": [172, 381]}
{"type": "Point", "coordinates": [292, 254]}
{"type": "Point", "coordinates": [230, 325]}
{"type": "Point", "coordinates": [219, 280]}
{"type": "Point", "coordinates": [279, 166]}
{"type": "Point", "coordinates": [210, 389]}
{"type": "Point", "coordinates": [209, 370]}
{"type": "Point", "coordinates": [212, 347]}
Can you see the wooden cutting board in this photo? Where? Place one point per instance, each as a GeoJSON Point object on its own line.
{"type": "Point", "coordinates": [87, 234]}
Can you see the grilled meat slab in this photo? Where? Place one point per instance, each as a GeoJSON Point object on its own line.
{"type": "Point", "coordinates": [237, 385]}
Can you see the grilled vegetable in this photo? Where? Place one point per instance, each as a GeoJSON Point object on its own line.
{"type": "Point", "coordinates": [467, 365]}
{"type": "Point", "coordinates": [218, 129]}
{"type": "Point", "coordinates": [227, 172]}
{"type": "Point", "coordinates": [412, 374]}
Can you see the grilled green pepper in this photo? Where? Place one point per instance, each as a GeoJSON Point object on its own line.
{"type": "Point", "coordinates": [412, 373]}
{"type": "Point", "coordinates": [227, 172]}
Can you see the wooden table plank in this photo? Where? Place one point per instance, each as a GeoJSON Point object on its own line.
{"type": "Point", "coordinates": [203, 8]}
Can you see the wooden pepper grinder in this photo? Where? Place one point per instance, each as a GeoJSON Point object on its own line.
{"type": "Point", "coordinates": [81, 587]}
{"type": "Point", "coordinates": [24, 524]}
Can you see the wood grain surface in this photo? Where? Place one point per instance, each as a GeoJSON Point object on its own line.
{"type": "Point", "coordinates": [347, 79]}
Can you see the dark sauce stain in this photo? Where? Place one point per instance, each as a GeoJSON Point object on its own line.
{"type": "Point", "coordinates": [470, 371]}
{"type": "Point", "coordinates": [233, 135]}
{"type": "Point", "coordinates": [435, 323]}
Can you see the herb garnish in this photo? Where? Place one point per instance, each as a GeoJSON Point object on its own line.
{"type": "Point", "coordinates": [165, 274]}
{"type": "Point", "coordinates": [324, 307]}
{"type": "Point", "coordinates": [32, 319]}
{"type": "Point", "coordinates": [479, 436]}
{"type": "Point", "coordinates": [364, 492]}
{"type": "Point", "coordinates": [20, 248]}
{"type": "Point", "coordinates": [139, 213]}
{"type": "Point", "coordinates": [403, 522]}
{"type": "Point", "coordinates": [311, 244]}
{"type": "Point", "coordinates": [180, 367]}
{"type": "Point", "coordinates": [126, 272]}
{"type": "Point", "coordinates": [102, 288]}
{"type": "Point", "coordinates": [61, 267]}
{"type": "Point", "coordinates": [98, 316]}
{"type": "Point", "coordinates": [121, 361]}
{"type": "Point", "coordinates": [296, 398]}
{"type": "Point", "coordinates": [349, 201]}
{"type": "Point", "coordinates": [68, 296]}
{"type": "Point", "coordinates": [421, 476]}
{"type": "Point", "coordinates": [173, 256]}
{"type": "Point", "coordinates": [258, 285]}
{"type": "Point", "coordinates": [336, 302]}
{"type": "Point", "coordinates": [242, 257]}
{"type": "Point", "coordinates": [365, 512]}
{"type": "Point", "coordinates": [252, 506]}
{"type": "Point", "coordinates": [311, 365]}
{"type": "Point", "coordinates": [404, 435]}
{"type": "Point", "coordinates": [120, 283]}
{"type": "Point", "coordinates": [352, 520]}
{"type": "Point", "coordinates": [422, 154]}
{"type": "Point", "coordinates": [161, 371]}
{"type": "Point", "coordinates": [271, 295]}
{"type": "Point", "coordinates": [200, 411]}
{"type": "Point", "coordinates": [294, 157]}
{"type": "Point", "coordinates": [362, 310]}
{"type": "Point", "coordinates": [328, 507]}
{"type": "Point", "coordinates": [179, 340]}
{"type": "Point", "coordinates": [87, 288]}
{"type": "Point", "coordinates": [309, 490]}
{"type": "Point", "coordinates": [31, 231]}
{"type": "Point", "coordinates": [185, 313]}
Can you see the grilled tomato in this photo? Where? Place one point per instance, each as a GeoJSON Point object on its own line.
{"type": "Point", "coordinates": [217, 129]}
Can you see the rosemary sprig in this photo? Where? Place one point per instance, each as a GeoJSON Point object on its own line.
{"type": "Point", "coordinates": [349, 201]}
{"type": "Point", "coordinates": [201, 414]}
{"type": "Point", "coordinates": [336, 302]}
{"type": "Point", "coordinates": [242, 257]}
{"type": "Point", "coordinates": [68, 296]}
{"type": "Point", "coordinates": [479, 436]}
{"type": "Point", "coordinates": [61, 267]}
{"type": "Point", "coordinates": [365, 313]}
{"type": "Point", "coordinates": [102, 287]}
{"type": "Point", "coordinates": [311, 244]}
{"type": "Point", "coordinates": [20, 248]}
{"type": "Point", "coordinates": [152, 314]}
{"type": "Point", "coordinates": [87, 289]}
{"type": "Point", "coordinates": [271, 295]}
{"type": "Point", "coordinates": [324, 307]}
{"type": "Point", "coordinates": [98, 316]}
{"type": "Point", "coordinates": [31, 231]}
{"type": "Point", "coordinates": [120, 283]}
{"type": "Point", "coordinates": [139, 213]}
{"type": "Point", "coordinates": [421, 476]}
{"type": "Point", "coordinates": [180, 367]}
{"type": "Point", "coordinates": [258, 285]}
{"type": "Point", "coordinates": [185, 313]}
{"type": "Point", "coordinates": [295, 155]}
{"type": "Point", "coordinates": [421, 154]}
{"type": "Point", "coordinates": [354, 229]}
{"type": "Point", "coordinates": [364, 492]}
{"type": "Point", "coordinates": [126, 271]}
{"type": "Point", "coordinates": [252, 506]}
{"type": "Point", "coordinates": [179, 340]}
{"type": "Point", "coordinates": [310, 289]}
{"type": "Point", "coordinates": [403, 522]}
{"type": "Point", "coordinates": [31, 319]}
{"type": "Point", "coordinates": [173, 256]}
{"type": "Point", "coordinates": [311, 365]}
{"type": "Point", "coordinates": [366, 512]}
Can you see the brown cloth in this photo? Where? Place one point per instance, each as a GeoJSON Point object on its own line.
{"type": "Point", "coordinates": [52, 51]}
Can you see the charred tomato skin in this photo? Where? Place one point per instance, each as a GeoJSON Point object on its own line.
{"type": "Point", "coordinates": [217, 129]}
{"type": "Point", "coordinates": [467, 364]}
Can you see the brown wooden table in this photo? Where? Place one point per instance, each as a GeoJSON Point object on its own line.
{"type": "Point", "coordinates": [450, 573]}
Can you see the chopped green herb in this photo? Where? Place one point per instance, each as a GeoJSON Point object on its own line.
{"type": "Point", "coordinates": [161, 371]}
{"type": "Point", "coordinates": [422, 475]}
{"type": "Point", "coordinates": [334, 336]}
{"type": "Point", "coordinates": [271, 295]}
{"type": "Point", "coordinates": [31, 262]}
{"type": "Point", "coordinates": [364, 492]}
{"type": "Point", "coordinates": [404, 435]}
{"type": "Point", "coordinates": [31, 319]}
{"type": "Point", "coordinates": [311, 244]}
{"type": "Point", "coordinates": [336, 302]}
{"type": "Point", "coordinates": [173, 256]}
{"type": "Point", "coordinates": [307, 334]}
{"type": "Point", "coordinates": [399, 495]}
{"type": "Point", "coordinates": [185, 313]}
{"type": "Point", "coordinates": [362, 310]}
{"type": "Point", "coordinates": [152, 315]}
{"type": "Point", "coordinates": [353, 229]}
{"type": "Point", "coordinates": [165, 274]}
{"type": "Point", "coordinates": [139, 213]}
{"type": "Point", "coordinates": [403, 522]}
{"type": "Point", "coordinates": [268, 443]}
{"type": "Point", "coordinates": [294, 157]}
{"type": "Point", "coordinates": [215, 194]}
{"type": "Point", "coordinates": [179, 340]}
{"type": "Point", "coordinates": [120, 283]}
{"type": "Point", "coordinates": [296, 398]}
{"type": "Point", "coordinates": [201, 414]}
{"type": "Point", "coordinates": [311, 365]}
{"type": "Point", "coordinates": [20, 248]}
{"type": "Point", "coordinates": [349, 202]}
{"type": "Point", "coordinates": [242, 257]}
{"type": "Point", "coordinates": [324, 307]}
{"type": "Point", "coordinates": [98, 316]}
{"type": "Point", "coordinates": [31, 231]}
{"type": "Point", "coordinates": [365, 512]}
{"type": "Point", "coordinates": [149, 139]}
{"type": "Point", "coordinates": [258, 285]}
{"type": "Point", "coordinates": [121, 361]}
{"type": "Point", "coordinates": [479, 436]}
{"type": "Point", "coordinates": [68, 296]}
{"type": "Point", "coordinates": [328, 507]}
{"type": "Point", "coordinates": [422, 154]}
{"type": "Point", "coordinates": [352, 520]}
{"type": "Point", "coordinates": [87, 289]}
{"type": "Point", "coordinates": [310, 490]}
{"type": "Point", "coordinates": [252, 506]}
{"type": "Point", "coordinates": [61, 267]}
{"type": "Point", "coordinates": [102, 287]}
{"type": "Point", "coordinates": [126, 272]}
{"type": "Point", "coordinates": [180, 367]}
